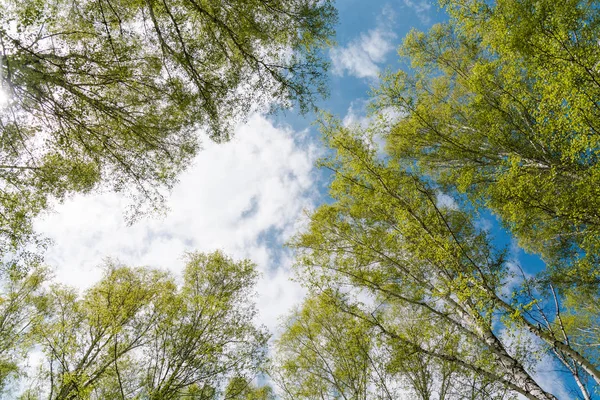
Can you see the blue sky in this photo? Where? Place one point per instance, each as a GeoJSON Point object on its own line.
{"type": "Point", "coordinates": [248, 196]}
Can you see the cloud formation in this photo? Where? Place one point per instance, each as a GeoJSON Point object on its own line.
{"type": "Point", "coordinates": [421, 8]}
{"type": "Point", "coordinates": [244, 197]}
{"type": "Point", "coordinates": [360, 57]}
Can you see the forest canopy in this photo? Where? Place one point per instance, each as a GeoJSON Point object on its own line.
{"type": "Point", "coordinates": [408, 294]}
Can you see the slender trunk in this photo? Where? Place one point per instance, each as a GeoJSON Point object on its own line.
{"type": "Point", "coordinates": [585, 364]}
{"type": "Point", "coordinates": [517, 374]}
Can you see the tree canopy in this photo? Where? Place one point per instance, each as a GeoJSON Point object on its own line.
{"type": "Point", "coordinates": [116, 91]}
{"type": "Point", "coordinates": [386, 236]}
{"type": "Point", "coordinates": [408, 295]}
{"type": "Point", "coordinates": [497, 111]}
{"type": "Point", "coordinates": [501, 104]}
{"type": "Point", "coordinates": [137, 333]}
{"type": "Point", "coordinates": [331, 352]}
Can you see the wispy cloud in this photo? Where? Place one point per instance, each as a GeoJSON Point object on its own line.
{"type": "Point", "coordinates": [421, 8]}
{"type": "Point", "coordinates": [362, 55]}
{"type": "Point", "coordinates": [446, 201]}
{"type": "Point", "coordinates": [356, 115]}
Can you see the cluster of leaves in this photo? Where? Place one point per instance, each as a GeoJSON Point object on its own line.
{"type": "Point", "coordinates": [420, 265]}
{"type": "Point", "coordinates": [137, 334]}
{"type": "Point", "coordinates": [111, 94]}
{"type": "Point", "coordinates": [330, 351]}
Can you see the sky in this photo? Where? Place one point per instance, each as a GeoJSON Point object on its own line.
{"type": "Point", "coordinates": [248, 196]}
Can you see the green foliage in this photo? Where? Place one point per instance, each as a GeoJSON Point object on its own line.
{"type": "Point", "coordinates": [501, 104]}
{"type": "Point", "coordinates": [330, 350]}
{"type": "Point", "coordinates": [438, 285]}
{"type": "Point", "coordinates": [324, 354]}
{"type": "Point", "coordinates": [240, 388]}
{"type": "Point", "coordinates": [209, 333]}
{"type": "Point", "coordinates": [22, 307]}
{"type": "Point", "coordinates": [114, 92]}
{"type": "Point", "coordinates": [582, 323]}
{"type": "Point", "coordinates": [137, 334]}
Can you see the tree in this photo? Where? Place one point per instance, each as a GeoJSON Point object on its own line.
{"type": "Point", "coordinates": [500, 104]}
{"type": "Point", "coordinates": [581, 322]}
{"type": "Point", "coordinates": [210, 334]}
{"type": "Point", "coordinates": [327, 351]}
{"type": "Point", "coordinates": [324, 354]}
{"type": "Point", "coordinates": [240, 388]}
{"type": "Point", "coordinates": [137, 334]}
{"type": "Point", "coordinates": [22, 307]}
{"type": "Point", "coordinates": [386, 234]}
{"type": "Point", "coordinates": [115, 91]}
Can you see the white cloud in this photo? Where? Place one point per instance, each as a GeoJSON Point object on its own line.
{"type": "Point", "coordinates": [360, 57]}
{"type": "Point", "coordinates": [421, 8]}
{"type": "Point", "coordinates": [357, 114]}
{"type": "Point", "coordinates": [485, 224]}
{"type": "Point", "coordinates": [445, 201]}
{"type": "Point", "coordinates": [244, 197]}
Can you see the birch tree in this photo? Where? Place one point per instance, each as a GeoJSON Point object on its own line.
{"type": "Point", "coordinates": [138, 334]}
{"type": "Point", "coordinates": [385, 234]}
{"type": "Point", "coordinates": [330, 351]}
{"type": "Point", "coordinates": [500, 104]}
